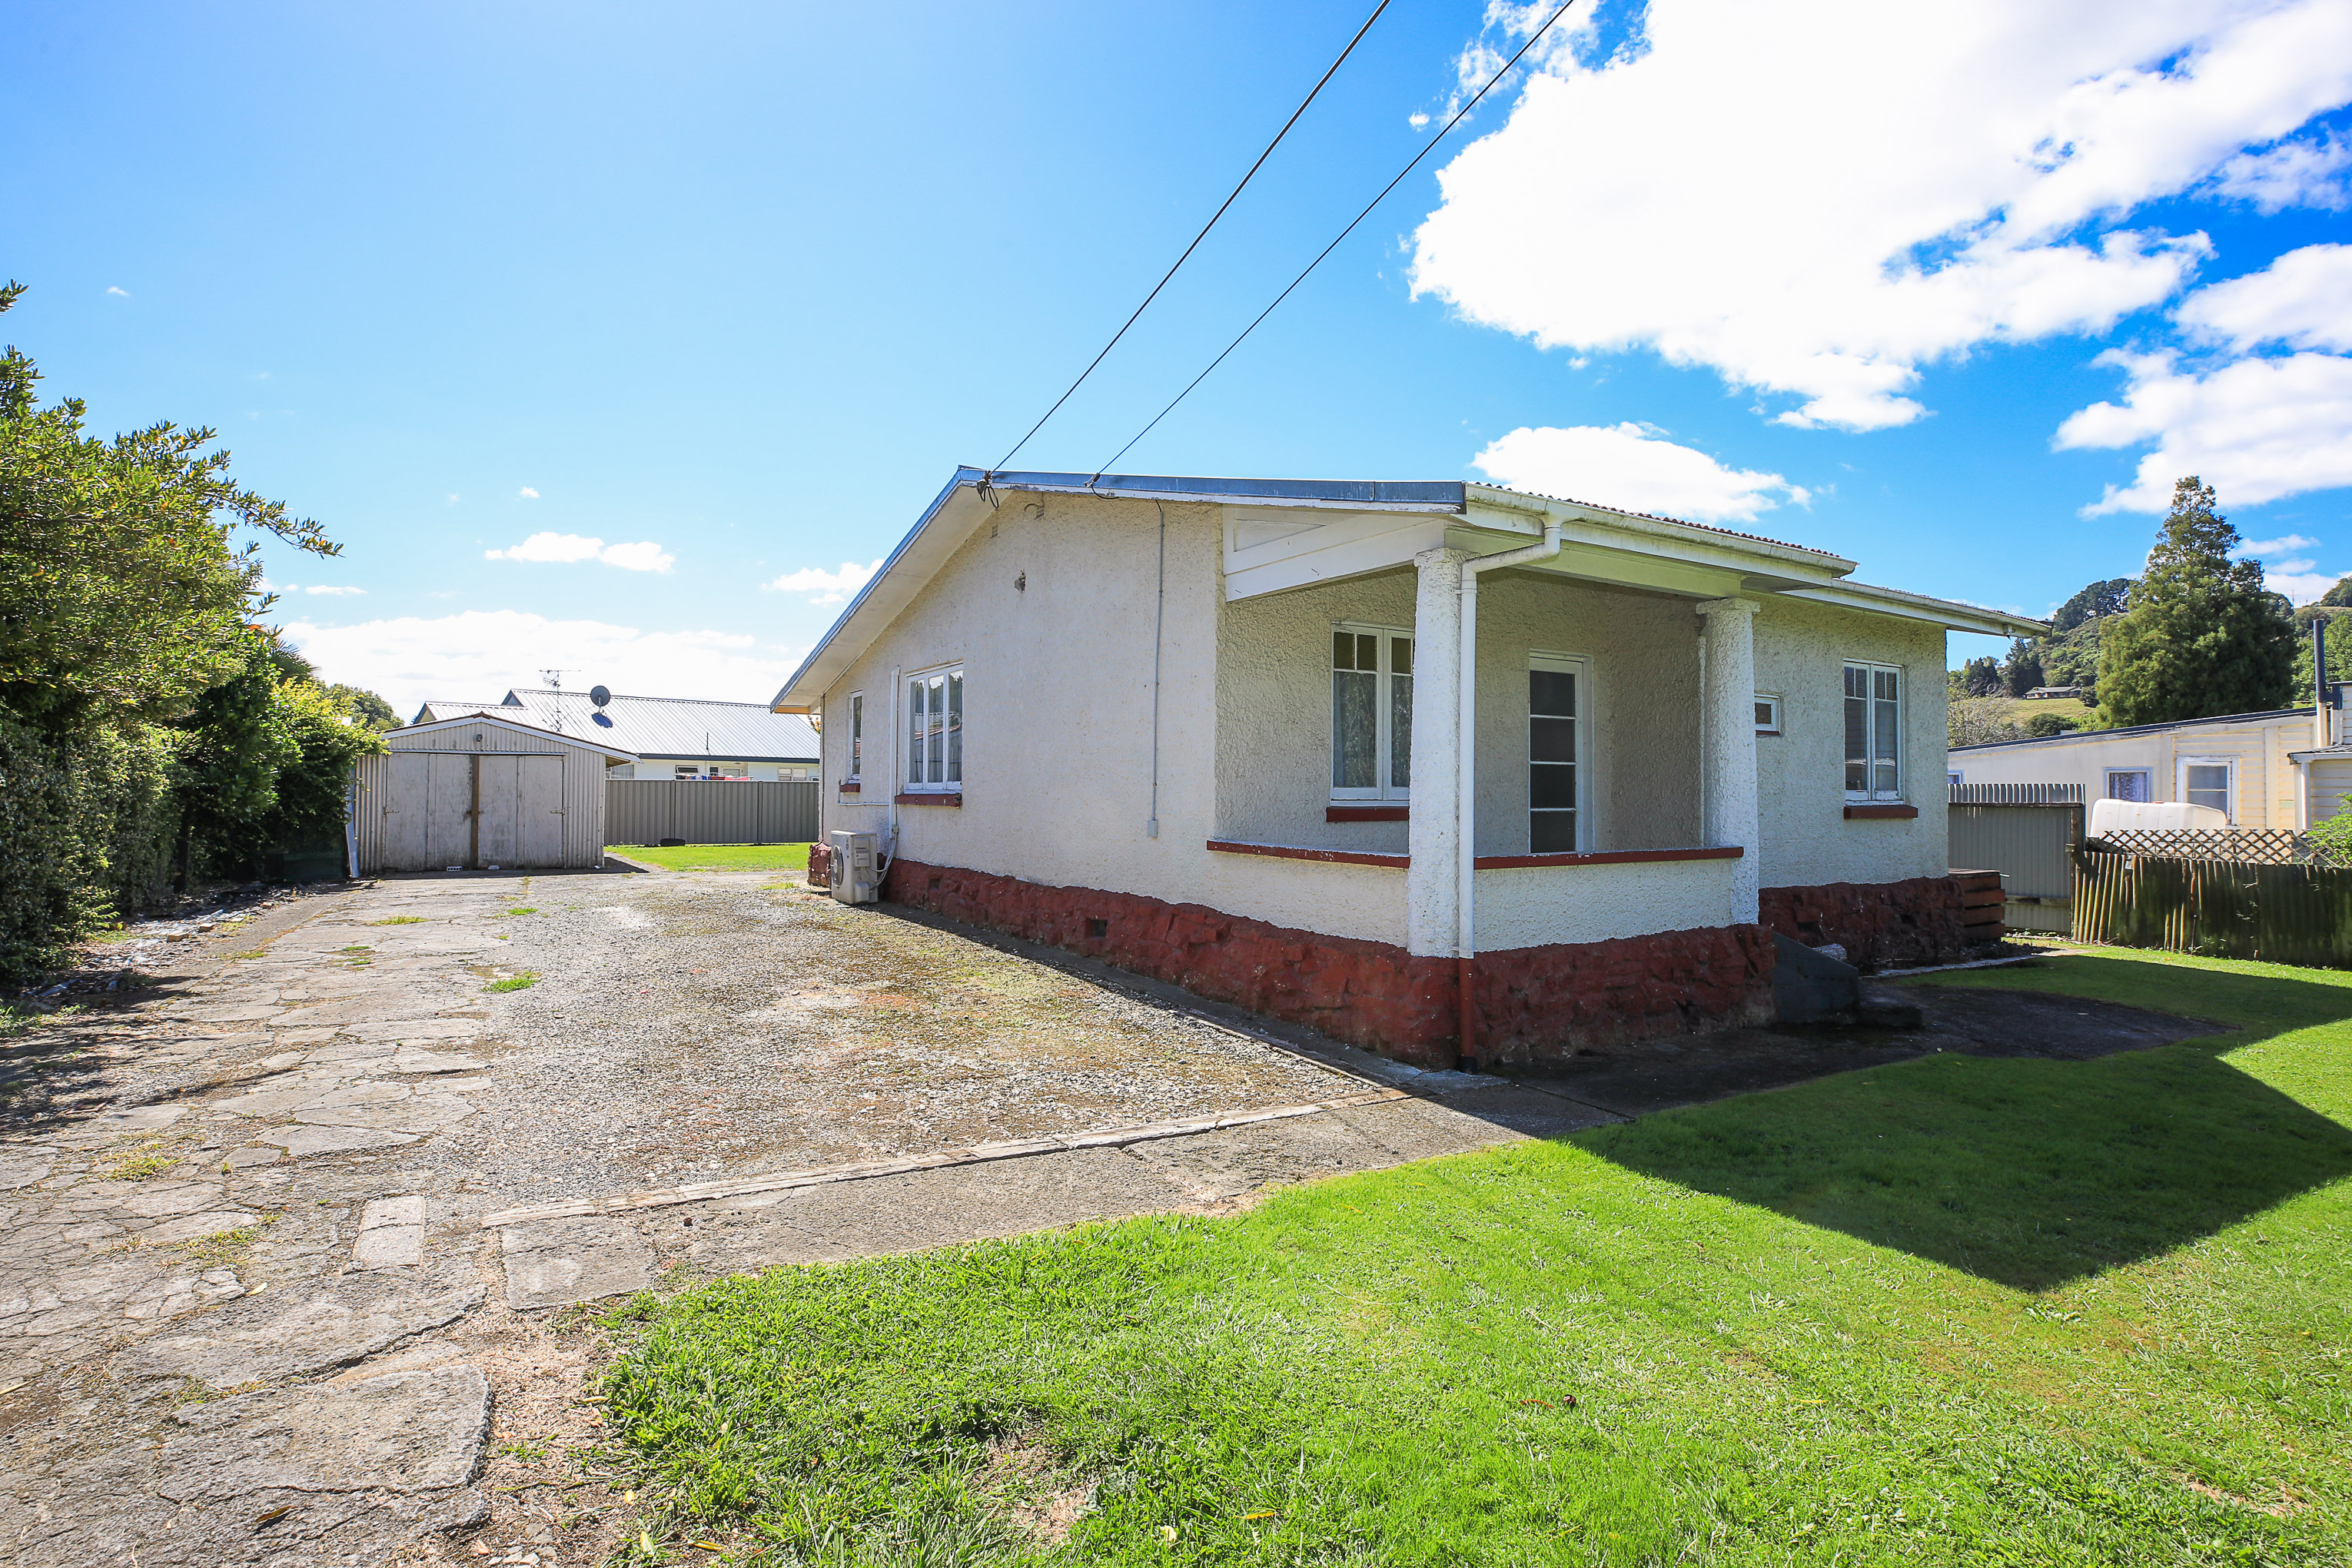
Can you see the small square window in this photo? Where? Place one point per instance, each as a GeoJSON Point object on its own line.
{"type": "Point", "coordinates": [1768, 714]}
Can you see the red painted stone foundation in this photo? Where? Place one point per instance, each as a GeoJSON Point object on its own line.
{"type": "Point", "coordinates": [1881, 925]}
{"type": "Point", "coordinates": [1533, 1002]}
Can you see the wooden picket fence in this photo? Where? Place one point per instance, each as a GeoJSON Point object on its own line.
{"type": "Point", "coordinates": [2279, 914]}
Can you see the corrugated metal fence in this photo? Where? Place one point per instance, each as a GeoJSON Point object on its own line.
{"type": "Point", "coordinates": [2221, 908]}
{"type": "Point", "coordinates": [709, 811]}
{"type": "Point", "coordinates": [2028, 833]}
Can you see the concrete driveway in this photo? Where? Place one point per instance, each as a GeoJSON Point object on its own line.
{"type": "Point", "coordinates": [279, 1233]}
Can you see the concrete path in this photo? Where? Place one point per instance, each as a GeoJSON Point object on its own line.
{"type": "Point", "coordinates": [278, 1237]}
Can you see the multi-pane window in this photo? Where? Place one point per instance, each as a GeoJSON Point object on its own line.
{"type": "Point", "coordinates": [935, 730]}
{"type": "Point", "coordinates": [856, 736]}
{"type": "Point", "coordinates": [1556, 695]}
{"type": "Point", "coordinates": [1371, 713]}
{"type": "Point", "coordinates": [2206, 782]}
{"type": "Point", "coordinates": [1874, 731]}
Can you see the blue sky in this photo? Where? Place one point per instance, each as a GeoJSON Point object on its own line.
{"type": "Point", "coordinates": [719, 296]}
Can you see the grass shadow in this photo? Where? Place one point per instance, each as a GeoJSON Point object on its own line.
{"type": "Point", "coordinates": [2027, 1173]}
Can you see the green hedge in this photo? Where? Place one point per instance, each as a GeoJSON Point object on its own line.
{"type": "Point", "coordinates": [87, 829]}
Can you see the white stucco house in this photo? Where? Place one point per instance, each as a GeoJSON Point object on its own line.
{"type": "Point", "coordinates": [1443, 769]}
{"type": "Point", "coordinates": [2285, 768]}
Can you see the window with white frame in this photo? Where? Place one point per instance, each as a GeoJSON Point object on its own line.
{"type": "Point", "coordinates": [1874, 731]}
{"type": "Point", "coordinates": [2206, 781]}
{"type": "Point", "coordinates": [935, 732]}
{"type": "Point", "coordinates": [1558, 694]}
{"type": "Point", "coordinates": [1768, 713]}
{"type": "Point", "coordinates": [2128, 783]}
{"type": "Point", "coordinates": [856, 737]}
{"type": "Point", "coordinates": [1371, 713]}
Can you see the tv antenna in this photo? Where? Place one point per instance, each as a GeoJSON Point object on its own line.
{"type": "Point", "coordinates": [553, 681]}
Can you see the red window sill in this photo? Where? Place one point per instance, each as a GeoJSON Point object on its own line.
{"type": "Point", "coordinates": [1483, 862]}
{"type": "Point", "coordinates": [1880, 813]}
{"type": "Point", "coordinates": [1365, 814]}
{"type": "Point", "coordinates": [1608, 858]}
{"type": "Point", "coordinates": [1296, 852]}
{"type": "Point", "coordinates": [956, 799]}
{"type": "Point", "coordinates": [848, 788]}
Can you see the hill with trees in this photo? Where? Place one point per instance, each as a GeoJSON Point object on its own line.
{"type": "Point", "coordinates": [2197, 635]}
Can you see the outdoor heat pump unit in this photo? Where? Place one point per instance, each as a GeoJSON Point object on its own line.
{"type": "Point", "coordinates": [853, 876]}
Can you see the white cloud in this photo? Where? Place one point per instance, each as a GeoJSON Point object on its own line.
{"type": "Point", "coordinates": [2303, 300]}
{"type": "Point", "coordinates": [824, 588]}
{"type": "Point", "coordinates": [327, 588]}
{"type": "Point", "coordinates": [1416, 119]}
{"type": "Point", "coordinates": [112, 290]}
{"type": "Point", "coordinates": [2287, 570]}
{"type": "Point", "coordinates": [2255, 429]}
{"type": "Point", "coordinates": [643, 556]}
{"type": "Point", "coordinates": [1629, 468]}
{"type": "Point", "coordinates": [528, 493]}
{"type": "Point", "coordinates": [478, 654]}
{"type": "Point", "coordinates": [2288, 544]}
{"type": "Point", "coordinates": [1817, 199]}
{"type": "Point", "coordinates": [2291, 174]}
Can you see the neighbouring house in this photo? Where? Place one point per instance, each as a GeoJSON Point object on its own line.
{"type": "Point", "coordinates": [2287, 768]}
{"type": "Point", "coordinates": [672, 737]}
{"type": "Point", "coordinates": [1224, 732]}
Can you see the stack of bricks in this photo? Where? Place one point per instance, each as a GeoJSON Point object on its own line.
{"type": "Point", "coordinates": [1881, 925]}
{"type": "Point", "coordinates": [1981, 902]}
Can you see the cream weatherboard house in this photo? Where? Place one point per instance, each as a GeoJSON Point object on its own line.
{"type": "Point", "coordinates": [1443, 769]}
{"type": "Point", "coordinates": [2285, 768]}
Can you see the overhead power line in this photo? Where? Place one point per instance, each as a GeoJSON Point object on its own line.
{"type": "Point", "coordinates": [1533, 38]}
{"type": "Point", "coordinates": [1205, 227]}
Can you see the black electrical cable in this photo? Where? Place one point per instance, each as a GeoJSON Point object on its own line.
{"type": "Point", "coordinates": [1532, 39]}
{"type": "Point", "coordinates": [1197, 238]}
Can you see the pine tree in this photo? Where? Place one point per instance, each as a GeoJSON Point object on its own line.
{"type": "Point", "coordinates": [2200, 634]}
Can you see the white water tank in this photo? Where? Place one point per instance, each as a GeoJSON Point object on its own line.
{"type": "Point", "coordinates": [2147, 816]}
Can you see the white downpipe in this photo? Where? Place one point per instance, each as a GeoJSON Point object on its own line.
{"type": "Point", "coordinates": [1466, 787]}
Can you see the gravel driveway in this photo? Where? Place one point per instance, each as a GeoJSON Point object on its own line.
{"type": "Point", "coordinates": [687, 1029]}
{"type": "Point", "coordinates": [279, 1222]}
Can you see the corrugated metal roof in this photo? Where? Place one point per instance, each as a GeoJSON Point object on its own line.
{"type": "Point", "coordinates": [662, 726]}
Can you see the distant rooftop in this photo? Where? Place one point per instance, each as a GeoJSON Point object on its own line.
{"type": "Point", "coordinates": [655, 726]}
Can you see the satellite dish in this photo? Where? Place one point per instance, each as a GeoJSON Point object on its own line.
{"type": "Point", "coordinates": [600, 695]}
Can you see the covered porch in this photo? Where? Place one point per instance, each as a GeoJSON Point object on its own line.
{"type": "Point", "coordinates": [1545, 730]}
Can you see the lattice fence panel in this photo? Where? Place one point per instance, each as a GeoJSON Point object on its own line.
{"type": "Point", "coordinates": [2248, 846]}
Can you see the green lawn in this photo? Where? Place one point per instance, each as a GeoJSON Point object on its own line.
{"type": "Point", "coordinates": [719, 857]}
{"type": "Point", "coordinates": [1957, 1311]}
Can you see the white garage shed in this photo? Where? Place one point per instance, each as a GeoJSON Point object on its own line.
{"type": "Point", "coordinates": [481, 794]}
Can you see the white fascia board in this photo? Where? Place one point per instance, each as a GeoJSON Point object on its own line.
{"type": "Point", "coordinates": [953, 518]}
{"type": "Point", "coordinates": [1349, 546]}
{"type": "Point", "coordinates": [1945, 613]}
{"type": "Point", "coordinates": [1514, 512]}
{"type": "Point", "coordinates": [475, 720]}
{"type": "Point", "coordinates": [1286, 503]}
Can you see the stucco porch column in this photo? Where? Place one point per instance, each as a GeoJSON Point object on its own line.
{"type": "Point", "coordinates": [1727, 746]}
{"type": "Point", "coordinates": [1430, 882]}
